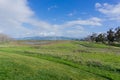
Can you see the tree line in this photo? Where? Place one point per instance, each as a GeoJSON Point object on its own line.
{"type": "Point", "coordinates": [112, 35]}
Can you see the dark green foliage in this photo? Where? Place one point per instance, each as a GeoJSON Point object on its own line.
{"type": "Point", "coordinates": [93, 37]}
{"type": "Point", "coordinates": [100, 38]}
{"type": "Point", "coordinates": [117, 34]}
{"type": "Point", "coordinates": [110, 36]}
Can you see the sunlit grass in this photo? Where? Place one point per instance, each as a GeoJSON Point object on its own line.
{"type": "Point", "coordinates": [64, 60]}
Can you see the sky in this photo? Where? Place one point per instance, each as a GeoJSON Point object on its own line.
{"type": "Point", "coordinates": [68, 18]}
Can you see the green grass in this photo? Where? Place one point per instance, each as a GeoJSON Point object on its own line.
{"type": "Point", "coordinates": [60, 60]}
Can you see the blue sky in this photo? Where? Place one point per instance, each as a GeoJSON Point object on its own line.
{"type": "Point", "coordinates": [70, 18]}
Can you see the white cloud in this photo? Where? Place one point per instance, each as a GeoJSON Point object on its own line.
{"type": "Point", "coordinates": [52, 7]}
{"type": "Point", "coordinates": [72, 13]}
{"type": "Point", "coordinates": [112, 11]}
{"type": "Point", "coordinates": [15, 13]}
{"type": "Point", "coordinates": [75, 28]}
{"type": "Point", "coordinates": [94, 21]}
{"type": "Point", "coordinates": [98, 5]}
{"type": "Point", "coordinates": [76, 31]}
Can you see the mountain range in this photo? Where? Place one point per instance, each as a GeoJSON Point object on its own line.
{"type": "Point", "coordinates": [47, 38]}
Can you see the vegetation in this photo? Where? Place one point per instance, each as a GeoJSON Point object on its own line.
{"type": "Point", "coordinates": [59, 60]}
{"type": "Point", "coordinates": [110, 36]}
{"type": "Point", "coordinates": [4, 38]}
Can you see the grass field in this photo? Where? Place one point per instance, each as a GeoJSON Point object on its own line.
{"type": "Point", "coordinates": [59, 60]}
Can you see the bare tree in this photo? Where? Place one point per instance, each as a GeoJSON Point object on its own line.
{"type": "Point", "coordinates": [4, 38]}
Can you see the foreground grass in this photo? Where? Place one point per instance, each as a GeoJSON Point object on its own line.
{"type": "Point", "coordinates": [66, 60]}
{"type": "Point", "coordinates": [18, 67]}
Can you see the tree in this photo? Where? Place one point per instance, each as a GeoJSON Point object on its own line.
{"type": "Point", "coordinates": [93, 37]}
{"type": "Point", "coordinates": [100, 38]}
{"type": "Point", "coordinates": [117, 34]}
{"type": "Point", "coordinates": [87, 38]}
{"type": "Point", "coordinates": [4, 38]}
{"type": "Point", "coordinates": [110, 36]}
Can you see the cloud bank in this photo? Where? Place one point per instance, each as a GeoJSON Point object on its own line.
{"type": "Point", "coordinates": [18, 20]}
{"type": "Point", "coordinates": [111, 11]}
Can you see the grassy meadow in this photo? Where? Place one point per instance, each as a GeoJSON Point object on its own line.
{"type": "Point", "coordinates": [59, 60]}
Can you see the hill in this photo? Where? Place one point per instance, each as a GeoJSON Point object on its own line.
{"type": "Point", "coordinates": [59, 60]}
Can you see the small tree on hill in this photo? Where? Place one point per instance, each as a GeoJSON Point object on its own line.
{"type": "Point", "coordinates": [101, 38]}
{"type": "Point", "coordinates": [93, 37]}
{"type": "Point", "coordinates": [110, 36]}
{"type": "Point", "coordinates": [117, 34]}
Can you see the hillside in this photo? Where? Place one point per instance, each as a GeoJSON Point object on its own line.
{"type": "Point", "coordinates": [59, 60]}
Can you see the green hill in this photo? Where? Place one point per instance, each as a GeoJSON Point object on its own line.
{"type": "Point", "coordinates": [59, 60]}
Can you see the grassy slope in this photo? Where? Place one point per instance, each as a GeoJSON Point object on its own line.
{"type": "Point", "coordinates": [69, 60]}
